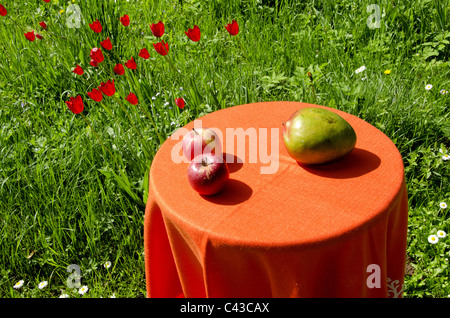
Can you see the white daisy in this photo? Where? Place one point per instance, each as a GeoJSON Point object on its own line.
{"type": "Point", "coordinates": [83, 290]}
{"type": "Point", "coordinates": [441, 234]}
{"type": "Point", "coordinates": [445, 157]}
{"type": "Point", "coordinates": [107, 264]}
{"type": "Point", "coordinates": [443, 91]}
{"type": "Point", "coordinates": [428, 87]}
{"type": "Point", "coordinates": [443, 205]}
{"type": "Point", "coordinates": [43, 284]}
{"type": "Point", "coordinates": [361, 69]}
{"type": "Point", "coordinates": [64, 296]}
{"type": "Point", "coordinates": [433, 239]}
{"type": "Point", "coordinates": [19, 284]}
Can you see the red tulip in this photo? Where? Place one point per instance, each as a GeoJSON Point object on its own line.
{"type": "Point", "coordinates": [96, 95]}
{"type": "Point", "coordinates": [118, 69]}
{"type": "Point", "coordinates": [30, 36]}
{"type": "Point", "coordinates": [106, 44]}
{"type": "Point", "coordinates": [97, 55]}
{"type": "Point", "coordinates": [125, 20]}
{"type": "Point", "coordinates": [232, 28]}
{"type": "Point", "coordinates": [108, 88]}
{"type": "Point", "coordinates": [161, 47]}
{"type": "Point", "coordinates": [157, 29]}
{"type": "Point", "coordinates": [96, 26]}
{"type": "Point", "coordinates": [78, 70]}
{"type": "Point", "coordinates": [144, 53]}
{"type": "Point", "coordinates": [132, 99]}
{"type": "Point", "coordinates": [39, 36]}
{"type": "Point", "coordinates": [179, 102]}
{"type": "Point", "coordinates": [43, 25]}
{"type": "Point", "coordinates": [93, 63]}
{"type": "Point", "coordinates": [3, 11]}
{"type": "Point", "coordinates": [194, 33]}
{"type": "Point", "coordinates": [47, 1]}
{"type": "Point", "coordinates": [131, 64]}
{"type": "Point", "coordinates": [75, 104]}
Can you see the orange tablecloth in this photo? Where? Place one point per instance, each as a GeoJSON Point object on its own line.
{"type": "Point", "coordinates": [334, 230]}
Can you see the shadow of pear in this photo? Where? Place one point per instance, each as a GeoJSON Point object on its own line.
{"type": "Point", "coordinates": [354, 164]}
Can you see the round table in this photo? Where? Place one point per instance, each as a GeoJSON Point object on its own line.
{"type": "Point", "coordinates": [278, 229]}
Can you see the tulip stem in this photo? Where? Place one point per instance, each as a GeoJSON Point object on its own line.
{"type": "Point", "coordinates": [146, 114]}
{"type": "Point", "coordinates": [314, 93]}
{"type": "Point", "coordinates": [213, 75]}
{"type": "Point", "coordinates": [207, 55]}
{"type": "Point", "coordinates": [56, 37]}
{"type": "Point", "coordinates": [140, 72]}
{"type": "Point", "coordinates": [106, 69]}
{"type": "Point", "coordinates": [132, 123]}
{"type": "Point", "coordinates": [158, 67]}
{"type": "Point", "coordinates": [171, 65]}
{"type": "Point", "coordinates": [242, 48]}
{"type": "Point", "coordinates": [312, 86]}
{"type": "Point", "coordinates": [182, 78]}
{"type": "Point", "coordinates": [109, 111]}
{"type": "Point", "coordinates": [154, 125]}
{"type": "Point", "coordinates": [99, 140]}
{"type": "Point", "coordinates": [169, 61]}
{"type": "Point", "coordinates": [17, 23]}
{"type": "Point", "coordinates": [107, 149]}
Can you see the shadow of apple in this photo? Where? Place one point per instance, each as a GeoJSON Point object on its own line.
{"type": "Point", "coordinates": [234, 162]}
{"type": "Point", "coordinates": [233, 193]}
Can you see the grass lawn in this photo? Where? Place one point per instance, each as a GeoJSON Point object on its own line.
{"type": "Point", "coordinates": [73, 187]}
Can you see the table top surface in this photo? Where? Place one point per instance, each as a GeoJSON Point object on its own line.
{"type": "Point", "coordinates": [289, 204]}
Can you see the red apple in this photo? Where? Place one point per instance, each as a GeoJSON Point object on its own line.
{"type": "Point", "coordinates": [199, 141]}
{"type": "Point", "coordinates": [208, 173]}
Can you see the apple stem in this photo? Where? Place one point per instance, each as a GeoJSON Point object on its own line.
{"type": "Point", "coordinates": [195, 131]}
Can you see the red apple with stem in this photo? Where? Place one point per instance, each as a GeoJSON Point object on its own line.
{"type": "Point", "coordinates": [199, 141]}
{"type": "Point", "coordinates": [208, 173]}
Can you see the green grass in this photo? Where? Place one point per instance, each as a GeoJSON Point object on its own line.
{"type": "Point", "coordinates": [60, 204]}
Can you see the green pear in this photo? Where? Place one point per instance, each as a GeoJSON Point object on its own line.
{"type": "Point", "coordinates": [314, 135]}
